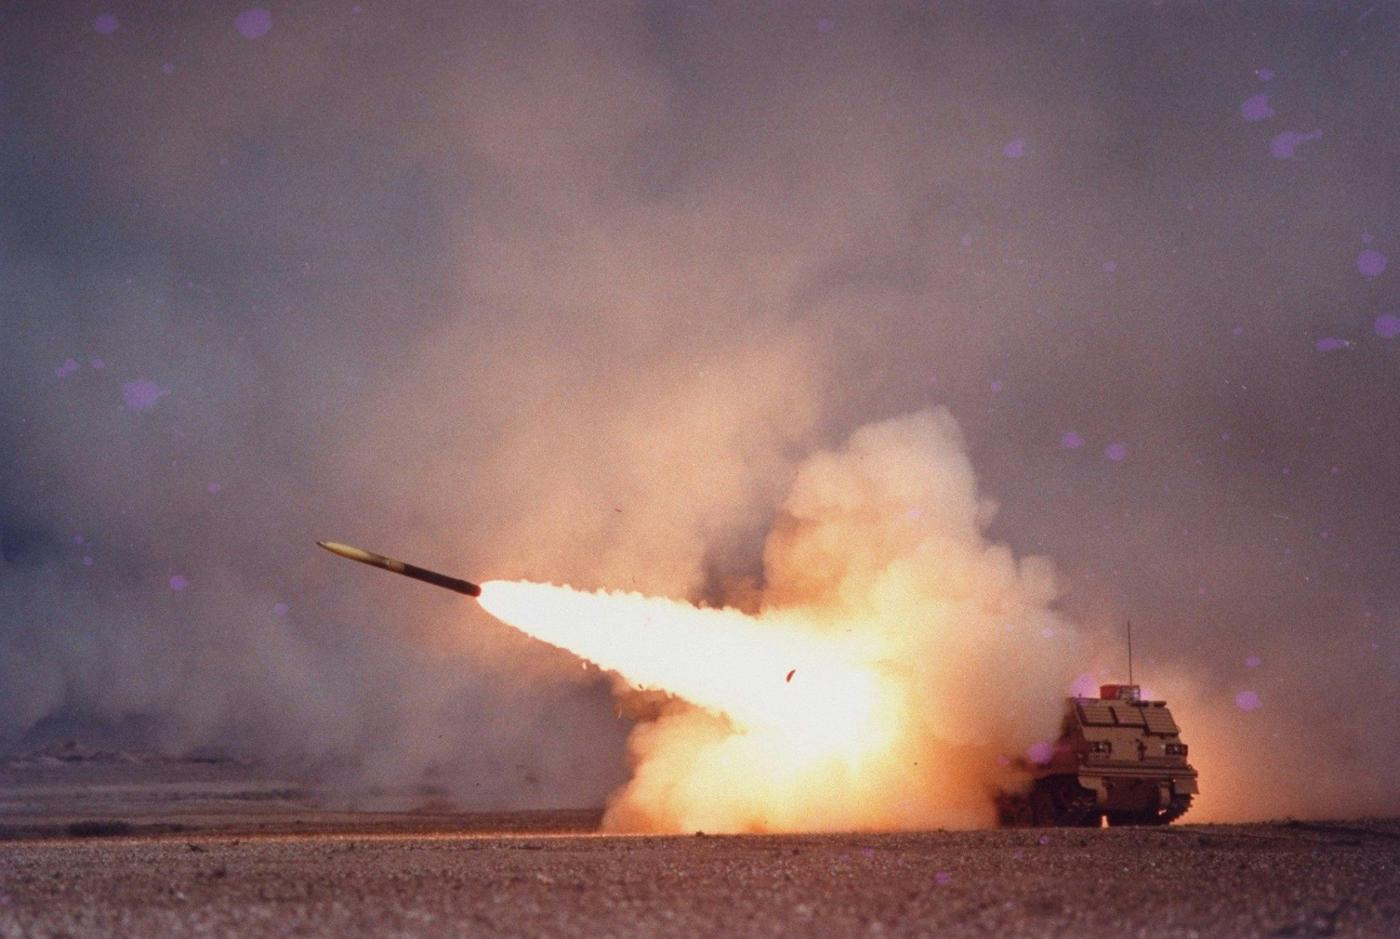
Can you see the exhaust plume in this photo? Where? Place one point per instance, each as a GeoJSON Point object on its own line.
{"type": "Point", "coordinates": [896, 655]}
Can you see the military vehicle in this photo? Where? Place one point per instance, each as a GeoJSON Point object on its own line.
{"type": "Point", "coordinates": [1117, 757]}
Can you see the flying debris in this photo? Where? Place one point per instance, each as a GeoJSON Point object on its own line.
{"type": "Point", "coordinates": [399, 567]}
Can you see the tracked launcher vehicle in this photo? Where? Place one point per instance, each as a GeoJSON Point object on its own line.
{"type": "Point", "coordinates": [1118, 757]}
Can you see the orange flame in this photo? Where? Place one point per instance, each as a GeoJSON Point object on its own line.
{"type": "Point", "coordinates": [760, 673]}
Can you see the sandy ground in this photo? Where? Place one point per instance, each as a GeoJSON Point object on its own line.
{"type": "Point", "coordinates": [1254, 880]}
{"type": "Point", "coordinates": [214, 856]}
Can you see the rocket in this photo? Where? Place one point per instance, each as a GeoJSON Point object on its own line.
{"type": "Point", "coordinates": [399, 567]}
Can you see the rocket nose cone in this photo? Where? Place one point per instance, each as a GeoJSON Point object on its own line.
{"type": "Point", "coordinates": [353, 554]}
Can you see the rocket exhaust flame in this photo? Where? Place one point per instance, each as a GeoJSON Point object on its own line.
{"type": "Point", "coordinates": [785, 727]}
{"type": "Point", "coordinates": [743, 669]}
{"type": "Point", "coordinates": [755, 671]}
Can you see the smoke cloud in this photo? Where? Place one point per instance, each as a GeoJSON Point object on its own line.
{"type": "Point", "coordinates": [880, 545]}
{"type": "Point", "coordinates": [633, 297]}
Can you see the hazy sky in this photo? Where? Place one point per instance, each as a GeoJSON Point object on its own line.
{"type": "Point", "coordinates": [568, 291]}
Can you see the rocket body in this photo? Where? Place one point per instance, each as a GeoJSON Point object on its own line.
{"type": "Point", "coordinates": [455, 584]}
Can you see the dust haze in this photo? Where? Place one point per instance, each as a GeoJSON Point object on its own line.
{"type": "Point", "coordinates": [1020, 322]}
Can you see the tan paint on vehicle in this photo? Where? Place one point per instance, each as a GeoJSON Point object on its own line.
{"type": "Point", "coordinates": [1118, 758]}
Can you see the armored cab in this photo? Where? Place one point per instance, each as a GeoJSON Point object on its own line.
{"type": "Point", "coordinates": [1117, 757]}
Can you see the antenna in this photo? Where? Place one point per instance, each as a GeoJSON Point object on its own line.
{"type": "Point", "coordinates": [1130, 652]}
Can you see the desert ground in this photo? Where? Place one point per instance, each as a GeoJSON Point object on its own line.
{"type": "Point", "coordinates": [103, 848]}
